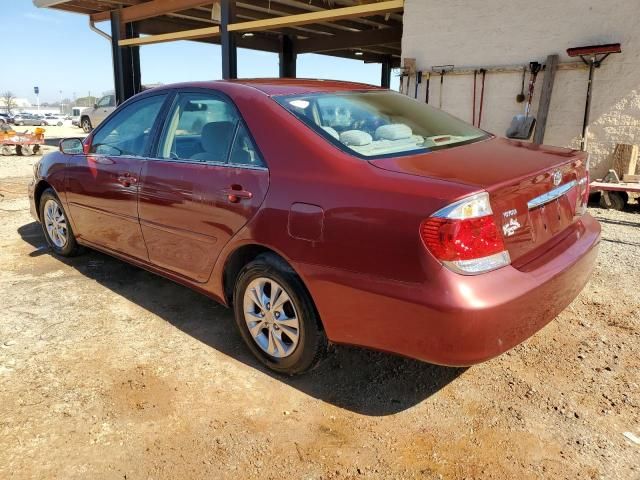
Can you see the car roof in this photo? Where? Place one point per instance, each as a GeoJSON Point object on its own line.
{"type": "Point", "coordinates": [283, 86]}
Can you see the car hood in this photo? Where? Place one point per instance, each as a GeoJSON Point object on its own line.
{"type": "Point", "coordinates": [489, 163]}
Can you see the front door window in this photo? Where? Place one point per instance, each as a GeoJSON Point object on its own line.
{"type": "Point", "coordinates": [128, 132]}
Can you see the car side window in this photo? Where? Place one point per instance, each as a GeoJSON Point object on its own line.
{"type": "Point", "coordinates": [106, 101]}
{"type": "Point", "coordinates": [200, 128]}
{"type": "Point", "coordinates": [244, 151]}
{"type": "Point", "coordinates": [128, 133]}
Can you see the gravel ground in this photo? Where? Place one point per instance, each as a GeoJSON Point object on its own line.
{"type": "Point", "coordinates": [107, 371]}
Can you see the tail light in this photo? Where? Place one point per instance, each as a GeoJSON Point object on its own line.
{"type": "Point", "coordinates": [464, 236]}
{"type": "Point", "coordinates": [583, 195]}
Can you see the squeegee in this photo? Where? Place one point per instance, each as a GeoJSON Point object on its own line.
{"type": "Point", "coordinates": [593, 56]}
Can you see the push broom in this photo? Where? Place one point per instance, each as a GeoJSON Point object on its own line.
{"type": "Point", "coordinates": [593, 56]}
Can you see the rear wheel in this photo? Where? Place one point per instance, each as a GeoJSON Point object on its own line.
{"type": "Point", "coordinates": [6, 150]}
{"type": "Point", "coordinates": [55, 225]}
{"type": "Point", "coordinates": [615, 201]}
{"type": "Point", "coordinates": [277, 318]}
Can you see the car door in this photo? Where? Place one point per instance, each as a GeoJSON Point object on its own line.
{"type": "Point", "coordinates": [207, 180]}
{"type": "Point", "coordinates": [102, 186]}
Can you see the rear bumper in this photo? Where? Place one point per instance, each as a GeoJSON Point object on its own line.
{"type": "Point", "coordinates": [455, 319]}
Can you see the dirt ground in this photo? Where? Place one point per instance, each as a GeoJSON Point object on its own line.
{"type": "Point", "coordinates": [110, 372]}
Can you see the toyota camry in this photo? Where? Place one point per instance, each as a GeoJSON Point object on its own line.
{"type": "Point", "coordinates": [329, 212]}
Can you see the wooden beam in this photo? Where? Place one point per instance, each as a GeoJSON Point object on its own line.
{"type": "Point", "coordinates": [545, 98]}
{"type": "Point", "coordinates": [350, 40]}
{"type": "Point", "coordinates": [260, 41]}
{"type": "Point", "coordinates": [151, 9]}
{"type": "Point", "coordinates": [169, 37]}
{"type": "Point", "coordinates": [320, 16]}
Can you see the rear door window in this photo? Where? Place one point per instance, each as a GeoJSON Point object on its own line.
{"type": "Point", "coordinates": [200, 127]}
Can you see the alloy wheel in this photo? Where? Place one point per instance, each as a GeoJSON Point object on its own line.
{"type": "Point", "coordinates": [271, 317]}
{"type": "Point", "coordinates": [55, 223]}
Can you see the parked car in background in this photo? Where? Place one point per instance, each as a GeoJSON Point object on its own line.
{"type": "Point", "coordinates": [330, 212]}
{"type": "Point", "coordinates": [29, 119]}
{"type": "Point", "coordinates": [92, 117]}
{"type": "Point", "coordinates": [56, 119]}
{"type": "Point", "coordinates": [5, 118]}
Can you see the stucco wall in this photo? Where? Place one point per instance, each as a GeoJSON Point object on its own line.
{"type": "Point", "coordinates": [498, 32]}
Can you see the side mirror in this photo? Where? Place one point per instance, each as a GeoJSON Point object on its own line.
{"type": "Point", "coordinates": [95, 105]}
{"type": "Point", "coordinates": [71, 146]}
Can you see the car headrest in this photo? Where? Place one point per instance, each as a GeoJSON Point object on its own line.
{"type": "Point", "coordinates": [216, 137]}
{"type": "Point", "coordinates": [393, 131]}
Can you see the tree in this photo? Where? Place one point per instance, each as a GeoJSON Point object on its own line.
{"type": "Point", "coordinates": [8, 101]}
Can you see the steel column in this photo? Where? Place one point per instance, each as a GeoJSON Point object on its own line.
{"type": "Point", "coordinates": [288, 57]}
{"type": "Point", "coordinates": [228, 40]}
{"type": "Point", "coordinates": [131, 58]}
{"type": "Point", "coordinates": [385, 77]}
{"type": "Point", "coordinates": [116, 52]}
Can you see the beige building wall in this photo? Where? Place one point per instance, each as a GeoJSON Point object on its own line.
{"type": "Point", "coordinates": [498, 32]}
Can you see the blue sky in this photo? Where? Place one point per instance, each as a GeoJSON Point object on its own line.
{"type": "Point", "coordinates": [57, 52]}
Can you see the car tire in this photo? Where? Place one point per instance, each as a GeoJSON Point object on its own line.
{"type": "Point", "coordinates": [617, 199]}
{"type": "Point", "coordinates": [55, 225]}
{"type": "Point", "coordinates": [291, 340]}
{"type": "Point", "coordinates": [21, 124]}
{"type": "Point", "coordinates": [44, 124]}
{"type": "Point", "coordinates": [86, 125]}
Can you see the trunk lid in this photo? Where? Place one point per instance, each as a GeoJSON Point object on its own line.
{"type": "Point", "coordinates": [534, 189]}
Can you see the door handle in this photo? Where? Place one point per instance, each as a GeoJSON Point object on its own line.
{"type": "Point", "coordinates": [127, 179]}
{"type": "Point", "coordinates": [236, 193]}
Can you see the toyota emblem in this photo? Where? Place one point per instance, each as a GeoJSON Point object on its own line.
{"type": "Point", "coordinates": [556, 177]}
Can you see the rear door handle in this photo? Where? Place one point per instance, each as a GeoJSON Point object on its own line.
{"type": "Point", "coordinates": [236, 193]}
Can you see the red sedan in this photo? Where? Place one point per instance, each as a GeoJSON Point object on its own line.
{"type": "Point", "coordinates": [326, 212]}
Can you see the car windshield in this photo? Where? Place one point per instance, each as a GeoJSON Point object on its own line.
{"type": "Point", "coordinates": [380, 123]}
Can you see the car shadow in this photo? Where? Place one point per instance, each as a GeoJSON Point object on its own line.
{"type": "Point", "coordinates": [363, 381]}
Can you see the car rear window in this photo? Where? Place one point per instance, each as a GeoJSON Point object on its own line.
{"type": "Point", "coordinates": [380, 123]}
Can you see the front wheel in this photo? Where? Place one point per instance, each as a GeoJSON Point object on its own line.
{"type": "Point", "coordinates": [55, 225]}
{"type": "Point", "coordinates": [86, 125]}
{"type": "Point", "coordinates": [277, 318]}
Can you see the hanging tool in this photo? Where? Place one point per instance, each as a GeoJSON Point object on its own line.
{"type": "Point", "coordinates": [522, 126]}
{"type": "Point", "coordinates": [442, 69]}
{"type": "Point", "coordinates": [402, 77]}
{"type": "Point", "coordinates": [484, 74]}
{"type": "Point", "coordinates": [520, 97]}
{"type": "Point", "coordinates": [418, 82]}
{"type": "Point", "coordinates": [593, 61]}
{"type": "Point", "coordinates": [426, 86]}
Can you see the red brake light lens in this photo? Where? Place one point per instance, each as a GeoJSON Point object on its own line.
{"type": "Point", "coordinates": [467, 239]}
{"type": "Point", "coordinates": [464, 236]}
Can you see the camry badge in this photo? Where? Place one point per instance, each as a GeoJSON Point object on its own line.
{"type": "Point", "coordinates": [510, 227]}
{"type": "Point", "coordinates": [556, 177]}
